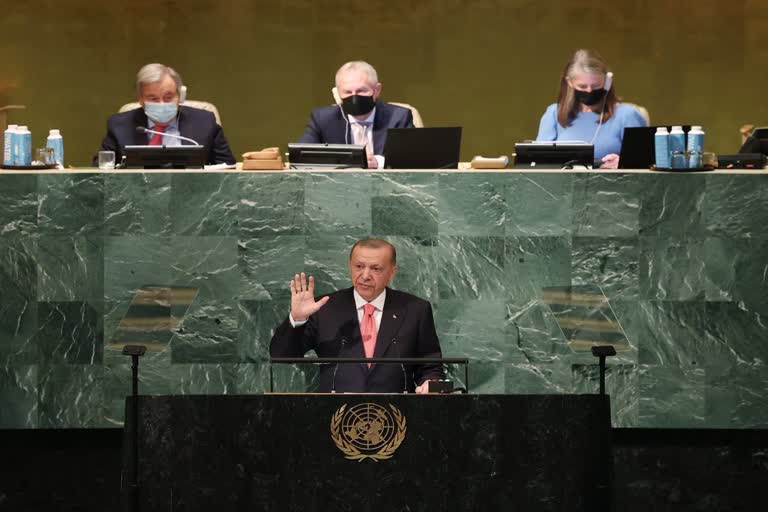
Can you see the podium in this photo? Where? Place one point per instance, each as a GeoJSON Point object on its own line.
{"type": "Point", "coordinates": [338, 452]}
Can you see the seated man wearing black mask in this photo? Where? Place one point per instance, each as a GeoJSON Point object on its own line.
{"type": "Point", "coordinates": [360, 118]}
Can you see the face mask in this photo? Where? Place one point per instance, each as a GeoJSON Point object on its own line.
{"type": "Point", "coordinates": [161, 112]}
{"type": "Point", "coordinates": [357, 105]}
{"type": "Point", "coordinates": [590, 98]}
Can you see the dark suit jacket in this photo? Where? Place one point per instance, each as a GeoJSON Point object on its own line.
{"type": "Point", "coordinates": [197, 124]}
{"type": "Point", "coordinates": [407, 330]}
{"type": "Point", "coordinates": [327, 126]}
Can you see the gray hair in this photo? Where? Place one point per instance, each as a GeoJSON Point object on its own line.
{"type": "Point", "coordinates": [152, 73]}
{"type": "Point", "coordinates": [359, 65]}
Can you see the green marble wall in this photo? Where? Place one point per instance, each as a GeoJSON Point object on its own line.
{"type": "Point", "coordinates": [681, 258]}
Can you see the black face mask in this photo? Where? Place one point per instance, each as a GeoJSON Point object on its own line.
{"type": "Point", "coordinates": [357, 105]}
{"type": "Point", "coordinates": [590, 98]}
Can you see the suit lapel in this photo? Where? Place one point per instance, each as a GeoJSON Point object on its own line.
{"type": "Point", "coordinates": [380, 124]}
{"type": "Point", "coordinates": [391, 319]}
{"type": "Point", "coordinates": [355, 346]}
{"type": "Point", "coordinates": [348, 313]}
{"type": "Point", "coordinates": [140, 139]}
{"type": "Point", "coordinates": [341, 130]}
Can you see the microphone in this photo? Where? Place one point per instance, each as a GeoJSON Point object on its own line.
{"type": "Point", "coordinates": [402, 366]}
{"type": "Point", "coordinates": [336, 367]}
{"type": "Point", "coordinates": [144, 129]}
{"type": "Point", "coordinates": [607, 86]}
{"type": "Point", "coordinates": [608, 81]}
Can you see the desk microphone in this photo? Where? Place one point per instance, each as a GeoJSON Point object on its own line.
{"type": "Point", "coordinates": [144, 129]}
{"type": "Point", "coordinates": [607, 86]}
{"type": "Point", "coordinates": [402, 366]}
{"type": "Point", "coordinates": [336, 368]}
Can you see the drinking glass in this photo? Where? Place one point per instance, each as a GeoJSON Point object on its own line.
{"type": "Point", "coordinates": [106, 160]}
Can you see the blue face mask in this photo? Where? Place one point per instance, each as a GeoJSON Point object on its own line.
{"type": "Point", "coordinates": [161, 112]}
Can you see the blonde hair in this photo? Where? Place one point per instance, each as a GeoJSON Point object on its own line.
{"type": "Point", "coordinates": [583, 61]}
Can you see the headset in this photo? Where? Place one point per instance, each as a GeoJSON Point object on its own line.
{"type": "Point", "coordinates": [607, 86]}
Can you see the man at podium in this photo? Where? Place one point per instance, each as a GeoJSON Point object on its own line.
{"type": "Point", "coordinates": [367, 320]}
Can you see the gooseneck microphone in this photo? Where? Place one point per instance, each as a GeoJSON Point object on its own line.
{"type": "Point", "coordinates": [607, 86]}
{"type": "Point", "coordinates": [402, 366]}
{"type": "Point", "coordinates": [336, 367]}
{"type": "Point", "coordinates": [144, 129]}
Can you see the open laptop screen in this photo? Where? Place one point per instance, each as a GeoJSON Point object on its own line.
{"type": "Point", "coordinates": [423, 148]}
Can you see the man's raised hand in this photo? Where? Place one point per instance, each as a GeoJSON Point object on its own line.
{"type": "Point", "coordinates": [303, 304]}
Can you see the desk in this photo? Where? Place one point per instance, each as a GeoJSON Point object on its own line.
{"type": "Point", "coordinates": [681, 257]}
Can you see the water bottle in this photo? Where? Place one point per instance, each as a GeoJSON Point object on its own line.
{"type": "Point", "coordinates": [23, 147]}
{"type": "Point", "coordinates": [661, 144]}
{"type": "Point", "coordinates": [56, 141]}
{"type": "Point", "coordinates": [677, 145]}
{"type": "Point", "coordinates": [8, 140]}
{"type": "Point", "coordinates": [695, 146]}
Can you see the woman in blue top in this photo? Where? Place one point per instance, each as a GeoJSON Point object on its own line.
{"type": "Point", "coordinates": [588, 109]}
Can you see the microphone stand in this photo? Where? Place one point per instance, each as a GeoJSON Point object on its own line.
{"type": "Point", "coordinates": [336, 367]}
{"type": "Point", "coordinates": [135, 351]}
{"type": "Point", "coordinates": [602, 352]}
{"type": "Point", "coordinates": [402, 366]}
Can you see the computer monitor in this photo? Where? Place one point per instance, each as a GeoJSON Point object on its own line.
{"type": "Point", "coordinates": [757, 142]}
{"type": "Point", "coordinates": [553, 155]}
{"type": "Point", "coordinates": [327, 156]}
{"type": "Point", "coordinates": [423, 148]}
{"type": "Point", "coordinates": [638, 147]}
{"type": "Point", "coordinates": [165, 157]}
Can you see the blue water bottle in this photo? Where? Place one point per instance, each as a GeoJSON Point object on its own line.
{"type": "Point", "coordinates": [695, 146]}
{"type": "Point", "coordinates": [677, 148]}
{"type": "Point", "coordinates": [23, 154]}
{"type": "Point", "coordinates": [661, 144]}
{"type": "Point", "coordinates": [56, 141]}
{"type": "Point", "coordinates": [8, 141]}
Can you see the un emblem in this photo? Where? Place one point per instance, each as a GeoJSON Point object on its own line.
{"type": "Point", "coordinates": [368, 431]}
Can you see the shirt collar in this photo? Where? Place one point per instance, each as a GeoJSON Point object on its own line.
{"type": "Point", "coordinates": [369, 119]}
{"type": "Point", "coordinates": [378, 302]}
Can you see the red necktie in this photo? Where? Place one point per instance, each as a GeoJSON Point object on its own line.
{"type": "Point", "coordinates": [157, 139]}
{"type": "Point", "coordinates": [368, 330]}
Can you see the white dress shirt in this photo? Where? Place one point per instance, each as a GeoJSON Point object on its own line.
{"type": "Point", "coordinates": [369, 119]}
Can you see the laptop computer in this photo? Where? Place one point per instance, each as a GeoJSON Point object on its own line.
{"type": "Point", "coordinates": [757, 142]}
{"type": "Point", "coordinates": [638, 148]}
{"type": "Point", "coordinates": [423, 148]}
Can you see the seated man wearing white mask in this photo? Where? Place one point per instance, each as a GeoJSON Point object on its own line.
{"type": "Point", "coordinates": [158, 88]}
{"type": "Point", "coordinates": [360, 118]}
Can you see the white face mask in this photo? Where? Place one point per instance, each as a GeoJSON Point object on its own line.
{"type": "Point", "coordinates": [161, 112]}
